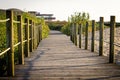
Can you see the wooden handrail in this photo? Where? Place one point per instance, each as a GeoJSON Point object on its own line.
{"type": "Point", "coordinates": [101, 37]}
{"type": "Point", "coordinates": [3, 52]}
{"type": "Point", "coordinates": [1, 21]}
{"type": "Point", "coordinates": [29, 39]}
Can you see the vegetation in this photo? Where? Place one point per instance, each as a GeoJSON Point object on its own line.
{"type": "Point", "coordinates": [75, 18]}
{"type": "Point", "coordinates": [56, 25]}
{"type": "Point", "coordinates": [79, 18]}
{"type": "Point", "coordinates": [45, 28]}
{"type": "Point", "coordinates": [38, 21]}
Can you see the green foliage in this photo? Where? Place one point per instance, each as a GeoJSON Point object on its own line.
{"type": "Point", "coordinates": [45, 28]}
{"type": "Point", "coordinates": [2, 31]}
{"type": "Point", "coordinates": [78, 18]}
{"type": "Point", "coordinates": [66, 28]}
{"type": "Point", "coordinates": [56, 25]}
{"type": "Point", "coordinates": [38, 21]}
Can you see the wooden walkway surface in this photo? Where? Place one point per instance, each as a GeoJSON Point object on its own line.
{"type": "Point", "coordinates": [56, 58]}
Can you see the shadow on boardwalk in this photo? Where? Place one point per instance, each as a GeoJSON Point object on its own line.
{"type": "Point", "coordinates": [56, 58]}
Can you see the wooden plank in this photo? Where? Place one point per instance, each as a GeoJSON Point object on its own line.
{"type": "Point", "coordinates": [57, 58]}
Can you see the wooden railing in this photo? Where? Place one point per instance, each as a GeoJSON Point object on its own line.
{"type": "Point", "coordinates": [32, 39]}
{"type": "Point", "coordinates": [112, 24]}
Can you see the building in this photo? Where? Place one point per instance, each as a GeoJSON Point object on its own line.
{"type": "Point", "coordinates": [47, 17]}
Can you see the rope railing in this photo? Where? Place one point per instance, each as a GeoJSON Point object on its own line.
{"type": "Point", "coordinates": [24, 24]}
{"type": "Point", "coordinates": [30, 31]}
{"type": "Point", "coordinates": [116, 44]}
{"type": "Point", "coordinates": [14, 21]}
{"type": "Point", "coordinates": [100, 40]}
{"type": "Point", "coordinates": [2, 21]}
{"type": "Point", "coordinates": [2, 53]}
{"type": "Point", "coordinates": [17, 44]}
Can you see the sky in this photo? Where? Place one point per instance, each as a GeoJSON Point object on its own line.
{"type": "Point", "coordinates": [64, 8]}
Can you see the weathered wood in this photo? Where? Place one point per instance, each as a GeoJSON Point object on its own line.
{"type": "Point", "coordinates": [27, 53]}
{"type": "Point", "coordinates": [20, 39]}
{"type": "Point", "coordinates": [86, 36]}
{"type": "Point", "coordinates": [57, 58]}
{"type": "Point", "coordinates": [71, 31]}
{"type": "Point", "coordinates": [40, 33]}
{"type": "Point", "coordinates": [112, 34]}
{"type": "Point", "coordinates": [31, 36]}
{"type": "Point", "coordinates": [80, 35]}
{"type": "Point", "coordinates": [36, 37]}
{"type": "Point", "coordinates": [101, 26]}
{"type": "Point", "coordinates": [75, 33]}
{"type": "Point", "coordinates": [10, 42]}
{"type": "Point", "coordinates": [38, 29]}
{"type": "Point", "coordinates": [93, 36]}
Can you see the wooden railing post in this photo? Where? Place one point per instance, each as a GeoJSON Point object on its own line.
{"type": "Point", "coordinates": [40, 33]}
{"type": "Point", "coordinates": [93, 36]}
{"type": "Point", "coordinates": [112, 33]}
{"type": "Point", "coordinates": [101, 26]}
{"type": "Point", "coordinates": [38, 29]}
{"type": "Point", "coordinates": [20, 39]}
{"type": "Point", "coordinates": [27, 54]}
{"type": "Point", "coordinates": [71, 32]}
{"type": "Point", "coordinates": [31, 36]}
{"type": "Point", "coordinates": [10, 43]}
{"type": "Point", "coordinates": [75, 32]}
{"type": "Point", "coordinates": [35, 36]}
{"type": "Point", "coordinates": [86, 36]}
{"type": "Point", "coordinates": [80, 34]}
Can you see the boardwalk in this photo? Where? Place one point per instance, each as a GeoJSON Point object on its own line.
{"type": "Point", "coordinates": [56, 58]}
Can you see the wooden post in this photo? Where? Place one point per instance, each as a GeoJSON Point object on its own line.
{"type": "Point", "coordinates": [71, 32]}
{"type": "Point", "coordinates": [75, 32]}
{"type": "Point", "coordinates": [35, 36]}
{"type": "Point", "coordinates": [31, 36]}
{"type": "Point", "coordinates": [80, 34]}
{"type": "Point", "coordinates": [38, 29]}
{"type": "Point", "coordinates": [27, 54]}
{"type": "Point", "coordinates": [112, 33]}
{"type": "Point", "coordinates": [101, 25]}
{"type": "Point", "coordinates": [93, 35]}
{"type": "Point", "coordinates": [86, 36]}
{"type": "Point", "coordinates": [40, 33]}
{"type": "Point", "coordinates": [10, 43]}
{"type": "Point", "coordinates": [20, 39]}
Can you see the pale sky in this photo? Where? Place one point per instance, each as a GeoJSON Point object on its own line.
{"type": "Point", "coordinates": [64, 8]}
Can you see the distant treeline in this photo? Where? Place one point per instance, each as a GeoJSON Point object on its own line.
{"type": "Point", "coordinates": [56, 25]}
